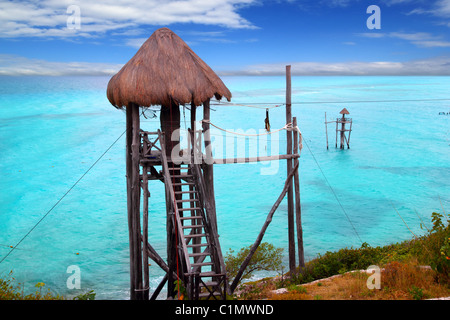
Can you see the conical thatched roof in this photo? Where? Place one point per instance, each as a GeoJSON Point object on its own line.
{"type": "Point", "coordinates": [344, 111]}
{"type": "Point", "coordinates": [165, 71]}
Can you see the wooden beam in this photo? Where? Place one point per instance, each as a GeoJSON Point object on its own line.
{"type": "Point", "coordinates": [135, 190]}
{"type": "Point", "coordinates": [208, 170]}
{"type": "Point", "coordinates": [129, 136]}
{"type": "Point", "coordinates": [342, 131]}
{"type": "Point", "coordinates": [159, 287]}
{"type": "Point", "coordinates": [336, 131]}
{"type": "Point", "coordinates": [290, 193]}
{"type": "Point", "coordinates": [263, 230]}
{"type": "Point", "coordinates": [193, 116]}
{"type": "Point", "coordinates": [298, 209]}
{"type": "Point", "coordinates": [170, 121]}
{"type": "Point", "coordinates": [349, 133]}
{"type": "Point", "coordinates": [152, 254]}
{"type": "Point", "coordinates": [146, 195]}
{"type": "Point", "coordinates": [256, 159]}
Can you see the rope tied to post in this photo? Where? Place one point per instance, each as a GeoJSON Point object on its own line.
{"type": "Point", "coordinates": [287, 127]}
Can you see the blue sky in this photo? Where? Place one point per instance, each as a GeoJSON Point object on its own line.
{"type": "Point", "coordinates": [250, 37]}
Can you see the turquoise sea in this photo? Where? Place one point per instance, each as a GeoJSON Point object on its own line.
{"type": "Point", "coordinates": [53, 129]}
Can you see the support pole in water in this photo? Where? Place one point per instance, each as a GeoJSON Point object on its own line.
{"type": "Point", "coordinates": [290, 192]}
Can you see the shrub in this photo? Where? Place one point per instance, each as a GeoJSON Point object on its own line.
{"type": "Point", "coordinates": [436, 247]}
{"type": "Point", "coordinates": [266, 258]}
{"type": "Point", "coordinates": [10, 291]}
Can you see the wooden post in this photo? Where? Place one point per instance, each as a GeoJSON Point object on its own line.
{"type": "Point", "coordinates": [208, 171]}
{"type": "Point", "coordinates": [298, 210]}
{"type": "Point", "coordinates": [349, 133]}
{"type": "Point", "coordinates": [133, 198]}
{"type": "Point", "coordinates": [290, 195]}
{"type": "Point", "coordinates": [145, 244]}
{"type": "Point", "coordinates": [343, 132]}
{"type": "Point", "coordinates": [193, 116]}
{"type": "Point", "coordinates": [170, 121]}
{"type": "Point", "coordinates": [191, 188]}
{"type": "Point", "coordinates": [129, 135]}
{"type": "Point", "coordinates": [337, 130]}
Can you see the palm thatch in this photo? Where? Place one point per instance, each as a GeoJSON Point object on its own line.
{"type": "Point", "coordinates": [166, 72]}
{"type": "Point", "coordinates": [344, 111]}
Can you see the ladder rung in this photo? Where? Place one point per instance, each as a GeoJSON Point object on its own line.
{"type": "Point", "coordinates": [193, 226]}
{"type": "Point", "coordinates": [208, 274]}
{"type": "Point", "coordinates": [187, 209]}
{"type": "Point", "coordinates": [201, 264]}
{"type": "Point", "coordinates": [188, 200]}
{"type": "Point", "coordinates": [199, 254]}
{"type": "Point", "coordinates": [181, 176]}
{"type": "Point", "coordinates": [179, 192]}
{"type": "Point", "coordinates": [183, 184]}
{"type": "Point", "coordinates": [178, 168]}
{"type": "Point", "coordinates": [191, 217]}
{"type": "Point", "coordinates": [195, 235]}
{"type": "Point", "coordinates": [198, 245]}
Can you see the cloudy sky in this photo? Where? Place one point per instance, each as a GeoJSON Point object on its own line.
{"type": "Point", "coordinates": [255, 37]}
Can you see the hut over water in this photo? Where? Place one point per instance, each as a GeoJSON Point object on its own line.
{"type": "Point", "coordinates": [344, 112]}
{"type": "Point", "coordinates": [167, 73]}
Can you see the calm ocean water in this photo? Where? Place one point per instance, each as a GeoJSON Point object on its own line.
{"type": "Point", "coordinates": [52, 129]}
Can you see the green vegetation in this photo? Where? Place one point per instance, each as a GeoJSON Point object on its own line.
{"type": "Point", "coordinates": [432, 249]}
{"type": "Point", "coordinates": [266, 258]}
{"type": "Point", "coordinates": [402, 273]}
{"type": "Point", "coordinates": [89, 295]}
{"type": "Point", "coordinates": [402, 276]}
{"type": "Point", "coordinates": [9, 290]}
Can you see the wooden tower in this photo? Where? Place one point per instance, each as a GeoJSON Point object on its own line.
{"type": "Point", "coordinates": [342, 131]}
{"type": "Point", "coordinates": [167, 73]}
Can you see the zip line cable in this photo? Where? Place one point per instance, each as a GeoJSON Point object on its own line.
{"type": "Point", "coordinates": [277, 104]}
{"type": "Point", "coordinates": [70, 189]}
{"type": "Point", "coordinates": [334, 193]}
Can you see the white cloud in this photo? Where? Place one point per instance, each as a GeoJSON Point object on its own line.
{"type": "Point", "coordinates": [135, 42]}
{"type": "Point", "coordinates": [442, 8]}
{"type": "Point", "coordinates": [200, 37]}
{"type": "Point", "coordinates": [432, 66]}
{"type": "Point", "coordinates": [48, 18]}
{"type": "Point", "coordinates": [11, 65]}
{"type": "Point", "coordinates": [438, 8]}
{"type": "Point", "coordinates": [433, 44]}
{"type": "Point", "coordinates": [419, 39]}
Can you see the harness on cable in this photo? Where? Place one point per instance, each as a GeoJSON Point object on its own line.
{"type": "Point", "coordinates": [266, 121]}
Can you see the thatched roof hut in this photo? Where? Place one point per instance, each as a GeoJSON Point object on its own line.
{"type": "Point", "coordinates": [344, 111]}
{"type": "Point", "coordinates": [166, 72]}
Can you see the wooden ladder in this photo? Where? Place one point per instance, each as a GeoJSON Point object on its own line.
{"type": "Point", "coordinates": [203, 263]}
